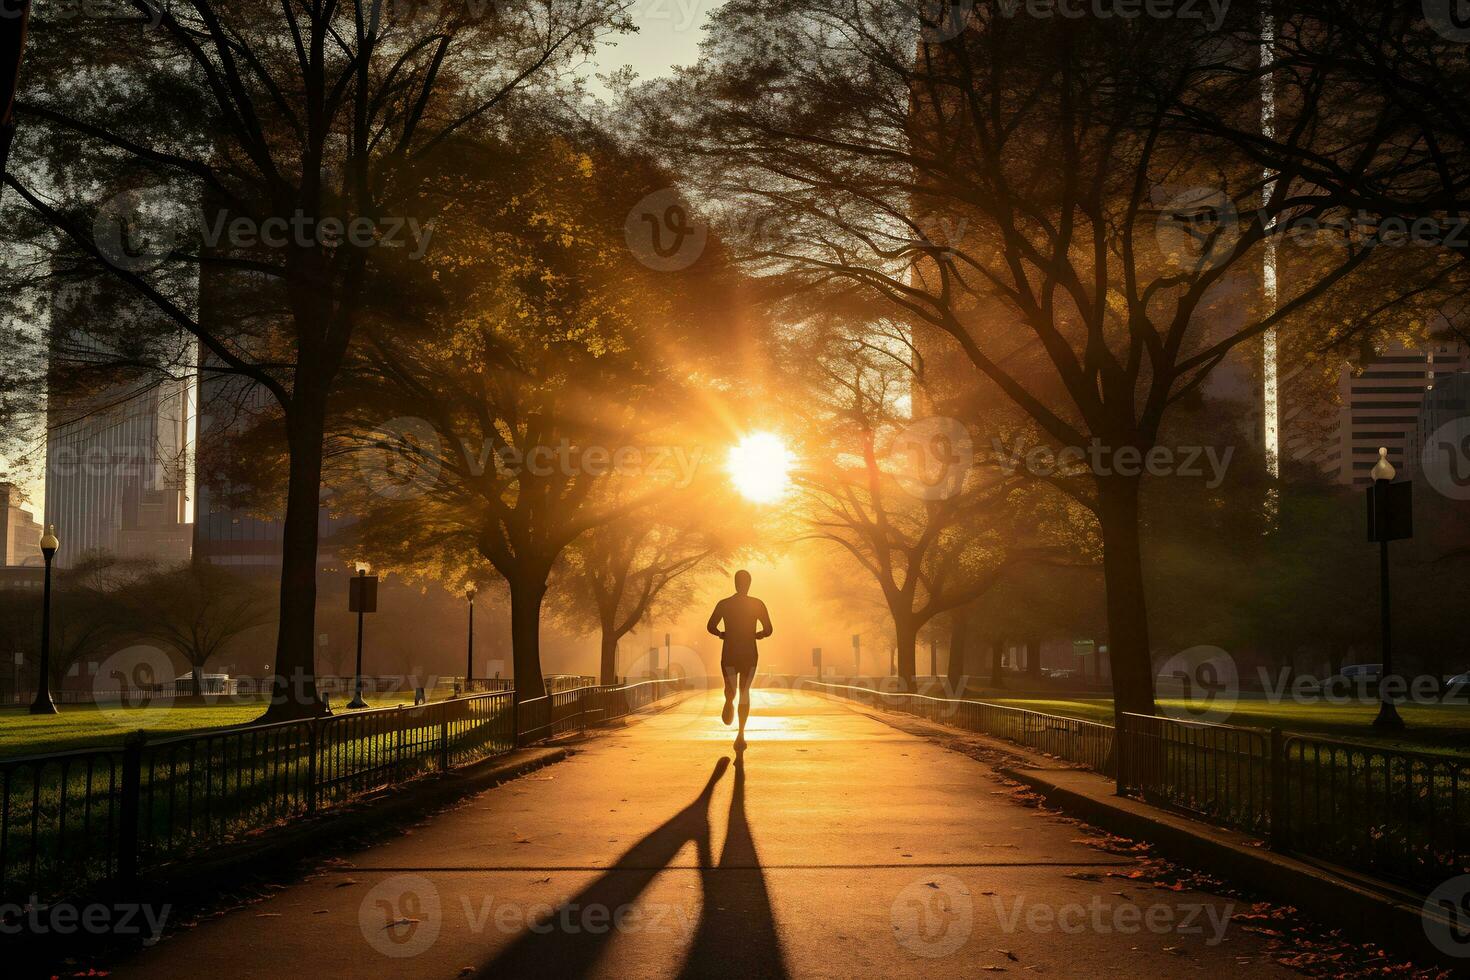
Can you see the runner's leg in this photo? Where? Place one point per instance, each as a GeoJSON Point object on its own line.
{"type": "Point", "coordinates": [747, 675]}
{"type": "Point", "coordinates": [727, 714]}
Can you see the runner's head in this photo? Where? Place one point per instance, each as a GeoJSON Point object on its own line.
{"type": "Point", "coordinates": [742, 581]}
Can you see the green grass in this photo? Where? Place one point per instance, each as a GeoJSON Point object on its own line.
{"type": "Point", "coordinates": [79, 726]}
{"type": "Point", "coordinates": [1431, 727]}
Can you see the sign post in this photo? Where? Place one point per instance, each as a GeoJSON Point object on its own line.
{"type": "Point", "coordinates": [362, 597]}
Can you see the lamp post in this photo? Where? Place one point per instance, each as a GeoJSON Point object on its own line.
{"type": "Point", "coordinates": [362, 597]}
{"type": "Point", "coordinates": [1390, 518]}
{"type": "Point", "coordinates": [43, 705]}
{"type": "Point", "coordinates": [469, 657]}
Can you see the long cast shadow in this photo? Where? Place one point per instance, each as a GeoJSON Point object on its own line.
{"type": "Point", "coordinates": [736, 934]}
{"type": "Point", "coordinates": [737, 929]}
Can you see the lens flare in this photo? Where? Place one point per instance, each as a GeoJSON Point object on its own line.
{"type": "Point", "coordinates": [760, 467]}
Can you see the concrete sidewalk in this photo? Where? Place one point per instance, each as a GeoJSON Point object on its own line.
{"type": "Point", "coordinates": [833, 845]}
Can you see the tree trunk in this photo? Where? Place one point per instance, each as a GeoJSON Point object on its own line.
{"type": "Point", "coordinates": [12, 47]}
{"type": "Point", "coordinates": [198, 681]}
{"type": "Point", "coordinates": [294, 693]}
{"type": "Point", "coordinates": [1033, 657]}
{"type": "Point", "coordinates": [959, 624]}
{"type": "Point", "coordinates": [609, 657]}
{"type": "Point", "coordinates": [1128, 643]}
{"type": "Point", "coordinates": [526, 593]}
{"type": "Point", "coordinates": [997, 662]}
{"type": "Point", "coordinates": [907, 637]}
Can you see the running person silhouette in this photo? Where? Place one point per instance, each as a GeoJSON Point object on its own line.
{"type": "Point", "coordinates": [745, 621]}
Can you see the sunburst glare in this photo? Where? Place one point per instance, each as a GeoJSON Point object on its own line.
{"type": "Point", "coordinates": [760, 467]}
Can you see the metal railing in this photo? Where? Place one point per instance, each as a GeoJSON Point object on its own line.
{"type": "Point", "coordinates": [1403, 816]}
{"type": "Point", "coordinates": [1085, 743]}
{"type": "Point", "coordinates": [1220, 772]}
{"type": "Point", "coordinates": [70, 821]}
{"type": "Point", "coordinates": [559, 713]}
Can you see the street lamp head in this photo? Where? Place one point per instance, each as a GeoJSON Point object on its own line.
{"type": "Point", "coordinates": [49, 544]}
{"type": "Point", "coordinates": [1383, 469]}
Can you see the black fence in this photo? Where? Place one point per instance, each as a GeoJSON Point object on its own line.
{"type": "Point", "coordinates": [1086, 743]}
{"type": "Point", "coordinates": [1219, 772]}
{"type": "Point", "coordinates": [1402, 816]}
{"type": "Point", "coordinates": [71, 821]}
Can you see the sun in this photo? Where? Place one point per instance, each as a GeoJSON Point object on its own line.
{"type": "Point", "coordinates": [760, 467]}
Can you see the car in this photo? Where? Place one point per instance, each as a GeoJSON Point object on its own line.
{"type": "Point", "coordinates": [1370, 672]}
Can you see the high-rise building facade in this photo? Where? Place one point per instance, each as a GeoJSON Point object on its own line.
{"type": "Point", "coordinates": [116, 474]}
{"type": "Point", "coordinates": [1381, 405]}
{"type": "Point", "coordinates": [20, 533]}
{"type": "Point", "coordinates": [117, 456]}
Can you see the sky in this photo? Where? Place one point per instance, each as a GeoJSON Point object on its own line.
{"type": "Point", "coordinates": [668, 34]}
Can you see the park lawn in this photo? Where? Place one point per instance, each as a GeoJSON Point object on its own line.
{"type": "Point", "coordinates": [77, 726]}
{"type": "Point", "coordinates": [1431, 727]}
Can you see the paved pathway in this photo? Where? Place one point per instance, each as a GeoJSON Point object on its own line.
{"type": "Point", "coordinates": [833, 845]}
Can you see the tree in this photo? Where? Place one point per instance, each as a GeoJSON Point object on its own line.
{"type": "Point", "coordinates": [12, 46]}
{"type": "Point", "coordinates": [1012, 186]}
{"type": "Point", "coordinates": [902, 497]}
{"type": "Point", "coordinates": [305, 133]}
{"type": "Point", "coordinates": [536, 402]}
{"type": "Point", "coordinates": [197, 609]}
{"type": "Point", "coordinates": [615, 575]}
{"type": "Point", "coordinates": [1375, 99]}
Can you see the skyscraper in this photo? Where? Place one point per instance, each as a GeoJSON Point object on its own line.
{"type": "Point", "coordinates": [116, 458]}
{"type": "Point", "coordinates": [20, 534]}
{"type": "Point", "coordinates": [1380, 406]}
